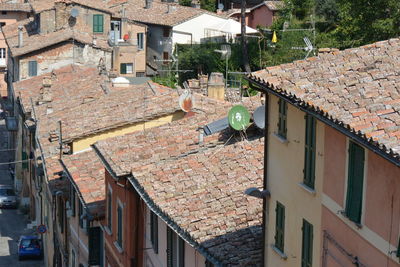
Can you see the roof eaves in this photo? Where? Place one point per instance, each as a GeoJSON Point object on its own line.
{"type": "Point", "coordinates": [115, 175]}
{"type": "Point", "coordinates": [325, 117]}
{"type": "Point", "coordinates": [171, 223]}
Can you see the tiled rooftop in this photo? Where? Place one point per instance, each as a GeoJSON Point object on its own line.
{"type": "Point", "coordinates": [36, 41]}
{"type": "Point", "coordinates": [199, 186]}
{"type": "Point", "coordinates": [10, 6]}
{"type": "Point", "coordinates": [167, 14]}
{"type": "Point", "coordinates": [87, 172]}
{"type": "Point", "coordinates": [42, 5]}
{"type": "Point", "coordinates": [272, 5]}
{"type": "Point", "coordinates": [358, 89]}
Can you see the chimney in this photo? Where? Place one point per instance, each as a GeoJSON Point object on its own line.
{"type": "Point", "coordinates": [148, 4]}
{"type": "Point", "coordinates": [20, 40]}
{"type": "Point", "coordinates": [46, 95]}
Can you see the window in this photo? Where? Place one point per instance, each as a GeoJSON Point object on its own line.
{"type": "Point", "coordinates": [280, 226]}
{"type": "Point", "coordinates": [154, 231]}
{"type": "Point", "coordinates": [72, 200]}
{"type": "Point", "coordinates": [119, 225]}
{"type": "Point", "coordinates": [140, 41]}
{"type": "Point", "coordinates": [60, 210]}
{"type": "Point", "coordinates": [2, 24]}
{"type": "Point", "coordinates": [175, 250]}
{"type": "Point", "coordinates": [398, 250]}
{"type": "Point", "coordinates": [307, 246]}
{"type": "Point", "coordinates": [98, 22]}
{"type": "Point", "coordinates": [166, 32]}
{"type": "Point", "coordinates": [309, 157]}
{"type": "Point", "coordinates": [73, 258]}
{"type": "Point", "coordinates": [126, 68]}
{"type": "Point", "coordinates": [282, 118]}
{"type": "Point", "coordinates": [2, 53]}
{"type": "Point", "coordinates": [32, 68]}
{"type": "Point", "coordinates": [80, 213]}
{"type": "Point", "coordinates": [109, 209]}
{"type": "Point", "coordinates": [140, 74]}
{"type": "Point", "coordinates": [4, 12]}
{"type": "Point", "coordinates": [355, 182]}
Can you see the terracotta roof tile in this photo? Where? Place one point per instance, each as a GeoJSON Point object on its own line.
{"type": "Point", "coordinates": [87, 172]}
{"type": "Point", "coordinates": [357, 87]}
{"type": "Point", "coordinates": [10, 6]}
{"type": "Point", "coordinates": [199, 186]}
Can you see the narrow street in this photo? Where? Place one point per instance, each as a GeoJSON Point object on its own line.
{"type": "Point", "coordinates": [12, 222]}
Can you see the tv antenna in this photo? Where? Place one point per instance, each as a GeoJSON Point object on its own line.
{"type": "Point", "coordinates": [308, 48]}
{"type": "Point", "coordinates": [226, 53]}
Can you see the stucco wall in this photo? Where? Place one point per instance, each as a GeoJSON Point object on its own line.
{"type": "Point", "coordinates": [285, 176]}
{"type": "Point", "coordinates": [157, 44]}
{"type": "Point", "coordinates": [261, 16]}
{"type": "Point", "coordinates": [380, 217]}
{"type": "Point", "coordinates": [61, 55]}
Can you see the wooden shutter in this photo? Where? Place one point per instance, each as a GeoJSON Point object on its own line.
{"type": "Point", "coordinates": [170, 247]}
{"type": "Point", "coordinates": [355, 182]}
{"type": "Point", "coordinates": [398, 250]}
{"type": "Point", "coordinates": [181, 254]}
{"type": "Point", "coordinates": [282, 125]}
{"type": "Point", "coordinates": [25, 160]}
{"type": "Point", "coordinates": [98, 23]}
{"type": "Point", "coordinates": [154, 231]}
{"type": "Point", "coordinates": [119, 230]}
{"type": "Point", "coordinates": [109, 210]}
{"type": "Point", "coordinates": [94, 245]}
{"type": "Point", "coordinates": [73, 208]}
{"type": "Point", "coordinates": [80, 212]}
{"type": "Point", "coordinates": [123, 68]}
{"type": "Point", "coordinates": [307, 244]}
{"type": "Point", "coordinates": [309, 154]}
{"type": "Point", "coordinates": [280, 226]}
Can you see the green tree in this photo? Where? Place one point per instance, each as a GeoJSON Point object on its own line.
{"type": "Point", "coordinates": [209, 5]}
{"type": "Point", "coordinates": [185, 2]}
{"type": "Point", "coordinates": [366, 21]}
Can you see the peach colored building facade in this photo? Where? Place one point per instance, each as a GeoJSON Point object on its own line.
{"type": "Point", "coordinates": [7, 18]}
{"type": "Point", "coordinates": [375, 240]}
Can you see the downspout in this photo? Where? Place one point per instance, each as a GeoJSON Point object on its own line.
{"type": "Point", "coordinates": [265, 182]}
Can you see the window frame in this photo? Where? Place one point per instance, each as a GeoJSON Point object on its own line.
{"type": "Point", "coordinates": [154, 231]}
{"type": "Point", "coordinates": [307, 232]}
{"type": "Point", "coordinates": [282, 119]}
{"type": "Point", "coordinates": [109, 208]}
{"type": "Point", "coordinates": [353, 211]}
{"type": "Point", "coordinates": [3, 52]}
{"type": "Point", "coordinates": [98, 27]}
{"type": "Point", "coordinates": [120, 224]}
{"type": "Point", "coordinates": [175, 249]}
{"type": "Point", "coordinates": [310, 152]}
{"type": "Point", "coordinates": [124, 68]}
{"type": "Point", "coordinates": [32, 68]}
{"type": "Point", "coordinates": [140, 40]}
{"type": "Point", "coordinates": [280, 226]}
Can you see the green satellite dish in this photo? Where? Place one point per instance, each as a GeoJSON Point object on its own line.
{"type": "Point", "coordinates": [238, 117]}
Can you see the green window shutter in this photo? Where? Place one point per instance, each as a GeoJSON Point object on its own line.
{"type": "Point", "coordinates": [154, 231]}
{"type": "Point", "coordinates": [170, 248]}
{"type": "Point", "coordinates": [80, 212]}
{"type": "Point", "coordinates": [24, 160]}
{"type": "Point", "coordinates": [94, 245]}
{"type": "Point", "coordinates": [280, 226]}
{"type": "Point", "coordinates": [98, 23]}
{"type": "Point", "coordinates": [355, 182]}
{"type": "Point", "coordinates": [309, 153]}
{"type": "Point", "coordinates": [307, 244]}
{"type": "Point", "coordinates": [72, 202]}
{"type": "Point", "coordinates": [282, 125]}
{"type": "Point", "coordinates": [181, 254]}
{"type": "Point", "coordinates": [123, 68]}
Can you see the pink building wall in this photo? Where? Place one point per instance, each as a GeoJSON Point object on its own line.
{"type": "Point", "coordinates": [261, 16]}
{"type": "Point", "coordinates": [380, 221]}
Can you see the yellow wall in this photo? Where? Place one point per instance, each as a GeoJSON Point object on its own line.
{"type": "Point", "coordinates": [285, 174]}
{"type": "Point", "coordinates": [84, 143]}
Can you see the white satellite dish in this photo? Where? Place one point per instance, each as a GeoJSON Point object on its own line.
{"type": "Point", "coordinates": [74, 12]}
{"type": "Point", "coordinates": [259, 117]}
{"type": "Point", "coordinates": [221, 6]}
{"type": "Point", "coordinates": [186, 101]}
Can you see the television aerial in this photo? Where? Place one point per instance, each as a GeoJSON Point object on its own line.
{"type": "Point", "coordinates": [308, 48]}
{"type": "Point", "coordinates": [226, 53]}
{"type": "Point", "coordinates": [238, 117]}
